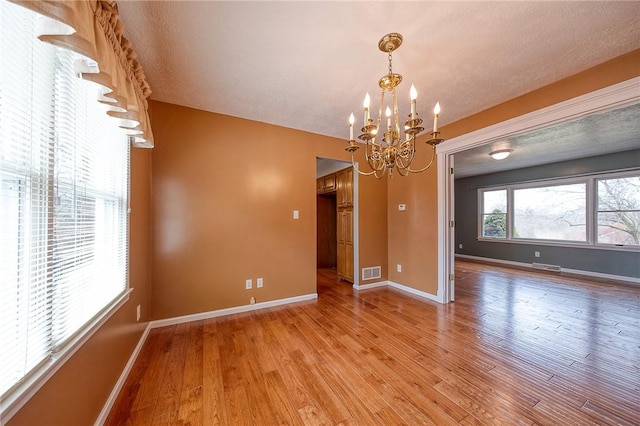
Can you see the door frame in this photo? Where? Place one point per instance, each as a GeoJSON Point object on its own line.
{"type": "Point", "coordinates": [340, 165]}
{"type": "Point", "coordinates": [616, 96]}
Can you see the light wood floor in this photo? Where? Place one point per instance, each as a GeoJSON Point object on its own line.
{"type": "Point", "coordinates": [515, 348]}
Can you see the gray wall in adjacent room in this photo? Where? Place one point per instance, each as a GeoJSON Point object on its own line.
{"type": "Point", "coordinates": [614, 262]}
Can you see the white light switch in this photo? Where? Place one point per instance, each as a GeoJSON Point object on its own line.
{"type": "Point", "coordinates": [402, 207]}
{"type": "Point", "coordinates": [296, 214]}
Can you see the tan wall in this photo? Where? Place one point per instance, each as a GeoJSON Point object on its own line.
{"type": "Point", "coordinates": [224, 191]}
{"type": "Point", "coordinates": [76, 394]}
{"type": "Point", "coordinates": [373, 242]}
{"type": "Point", "coordinates": [413, 234]}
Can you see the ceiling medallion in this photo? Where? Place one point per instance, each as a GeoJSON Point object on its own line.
{"type": "Point", "coordinates": [392, 151]}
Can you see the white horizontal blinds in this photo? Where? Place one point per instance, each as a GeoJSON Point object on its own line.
{"type": "Point", "coordinates": [89, 211]}
{"type": "Point", "coordinates": [63, 199]}
{"type": "Point", "coordinates": [25, 161]}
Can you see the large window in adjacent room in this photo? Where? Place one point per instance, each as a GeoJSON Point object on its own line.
{"type": "Point", "coordinates": [600, 210]}
{"type": "Point", "coordinates": [557, 212]}
{"type": "Point", "coordinates": [64, 170]}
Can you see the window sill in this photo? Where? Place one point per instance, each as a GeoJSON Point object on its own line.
{"type": "Point", "coordinates": [611, 247]}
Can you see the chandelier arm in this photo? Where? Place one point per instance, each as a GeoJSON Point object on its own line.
{"type": "Point", "coordinates": [355, 167]}
{"type": "Point", "coordinates": [373, 157]}
{"type": "Point", "coordinates": [433, 157]}
{"type": "Point", "coordinates": [372, 164]}
{"type": "Point", "coordinates": [403, 172]}
{"type": "Point", "coordinates": [400, 161]}
{"type": "Point", "coordinates": [368, 156]}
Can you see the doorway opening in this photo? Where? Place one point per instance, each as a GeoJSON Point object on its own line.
{"type": "Point", "coordinates": [336, 230]}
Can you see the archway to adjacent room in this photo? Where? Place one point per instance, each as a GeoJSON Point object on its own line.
{"type": "Point", "coordinates": [616, 96]}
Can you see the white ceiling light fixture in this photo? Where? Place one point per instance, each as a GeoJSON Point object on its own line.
{"type": "Point", "coordinates": [392, 150]}
{"type": "Point", "coordinates": [500, 154]}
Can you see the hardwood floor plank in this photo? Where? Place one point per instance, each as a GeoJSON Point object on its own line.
{"type": "Point", "coordinates": [168, 402]}
{"type": "Point", "coordinates": [609, 415]}
{"type": "Point", "coordinates": [516, 347]}
{"type": "Point", "coordinates": [278, 392]}
{"type": "Point", "coordinates": [560, 414]}
{"type": "Point", "coordinates": [388, 416]}
{"type": "Point", "coordinates": [191, 405]}
{"type": "Point", "coordinates": [239, 410]}
{"type": "Point", "coordinates": [150, 380]}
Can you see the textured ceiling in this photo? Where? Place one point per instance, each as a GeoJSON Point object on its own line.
{"type": "Point", "coordinates": [307, 65]}
{"type": "Point", "coordinates": [607, 132]}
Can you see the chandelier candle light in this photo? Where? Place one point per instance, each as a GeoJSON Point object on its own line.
{"type": "Point", "coordinates": [391, 152]}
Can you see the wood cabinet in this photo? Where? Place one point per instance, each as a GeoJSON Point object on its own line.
{"type": "Point", "coordinates": [345, 187]}
{"type": "Point", "coordinates": [326, 184]}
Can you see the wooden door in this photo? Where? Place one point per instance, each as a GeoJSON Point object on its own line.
{"type": "Point", "coordinates": [326, 231]}
{"type": "Point", "coordinates": [345, 243]}
{"type": "Point", "coordinates": [345, 224]}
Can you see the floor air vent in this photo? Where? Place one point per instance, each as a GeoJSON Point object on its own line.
{"type": "Point", "coordinates": [371, 273]}
{"type": "Point", "coordinates": [555, 268]}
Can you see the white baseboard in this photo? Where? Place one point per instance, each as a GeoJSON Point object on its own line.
{"type": "Point", "coordinates": [229, 311]}
{"type": "Point", "coordinates": [372, 285]}
{"type": "Point", "coordinates": [490, 260]}
{"type": "Point", "coordinates": [415, 292]}
{"type": "Point", "coordinates": [631, 280]}
{"type": "Point", "coordinates": [121, 380]}
{"type": "Point", "coordinates": [401, 287]}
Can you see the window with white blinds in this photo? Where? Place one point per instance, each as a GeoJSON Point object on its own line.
{"type": "Point", "coordinates": [64, 170]}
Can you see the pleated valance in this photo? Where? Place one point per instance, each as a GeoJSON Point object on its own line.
{"type": "Point", "coordinates": [93, 29]}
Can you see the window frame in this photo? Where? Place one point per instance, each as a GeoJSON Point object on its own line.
{"type": "Point", "coordinates": [595, 207]}
{"type": "Point", "coordinates": [481, 213]}
{"type": "Point", "coordinates": [590, 181]}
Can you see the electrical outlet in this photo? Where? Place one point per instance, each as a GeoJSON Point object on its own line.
{"type": "Point", "coordinates": [138, 313]}
{"type": "Point", "coordinates": [459, 246]}
{"type": "Point", "coordinates": [399, 267]}
{"type": "Point", "coordinates": [536, 254]}
{"type": "Point", "coordinates": [259, 283]}
{"type": "Point", "coordinates": [248, 284]}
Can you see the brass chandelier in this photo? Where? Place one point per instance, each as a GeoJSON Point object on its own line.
{"type": "Point", "coordinates": [393, 151]}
